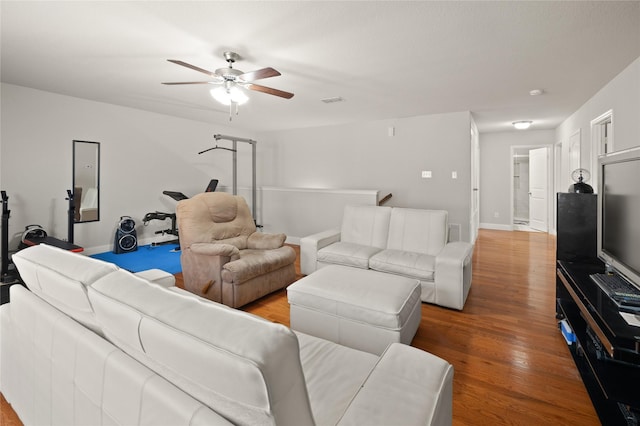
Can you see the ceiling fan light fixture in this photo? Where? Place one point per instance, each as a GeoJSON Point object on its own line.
{"type": "Point", "coordinates": [521, 125]}
{"type": "Point", "coordinates": [227, 95]}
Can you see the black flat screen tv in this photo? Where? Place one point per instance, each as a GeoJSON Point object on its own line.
{"type": "Point", "coordinates": [619, 213]}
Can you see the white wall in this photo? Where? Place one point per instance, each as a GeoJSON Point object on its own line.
{"type": "Point", "coordinates": [142, 154]}
{"type": "Point", "coordinates": [365, 156]}
{"type": "Point", "coordinates": [288, 209]}
{"type": "Point", "coordinates": [622, 95]}
{"type": "Point", "coordinates": [495, 172]}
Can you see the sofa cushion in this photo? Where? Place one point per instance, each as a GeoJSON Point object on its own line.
{"type": "Point", "coordinates": [414, 371]}
{"type": "Point", "coordinates": [347, 254]}
{"type": "Point", "coordinates": [246, 368]}
{"type": "Point", "coordinates": [406, 263]}
{"type": "Point", "coordinates": [330, 393]}
{"type": "Point", "coordinates": [366, 225]}
{"type": "Point", "coordinates": [420, 231]}
{"type": "Point", "coordinates": [61, 278]}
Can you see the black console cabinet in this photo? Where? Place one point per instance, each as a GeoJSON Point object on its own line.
{"type": "Point", "coordinates": [607, 349]}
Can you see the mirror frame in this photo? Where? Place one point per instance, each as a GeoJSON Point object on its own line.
{"type": "Point", "coordinates": [77, 174]}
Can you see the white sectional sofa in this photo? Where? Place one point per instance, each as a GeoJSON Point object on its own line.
{"type": "Point", "coordinates": [94, 344]}
{"type": "Point", "coordinates": [400, 241]}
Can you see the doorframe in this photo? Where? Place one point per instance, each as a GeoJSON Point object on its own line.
{"type": "Point", "coordinates": [557, 183]}
{"type": "Point", "coordinates": [474, 223]}
{"type": "Point", "coordinates": [596, 144]}
{"type": "Point", "coordinates": [550, 187]}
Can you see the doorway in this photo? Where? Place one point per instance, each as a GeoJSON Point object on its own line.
{"type": "Point", "coordinates": [520, 188]}
{"type": "Point", "coordinates": [530, 193]}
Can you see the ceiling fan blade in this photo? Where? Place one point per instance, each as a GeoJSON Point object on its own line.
{"type": "Point", "coordinates": [259, 74]}
{"type": "Point", "coordinates": [192, 82]}
{"type": "Point", "coordinates": [193, 67]}
{"type": "Point", "coordinates": [269, 90]}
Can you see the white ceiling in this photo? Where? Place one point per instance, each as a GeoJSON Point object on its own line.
{"type": "Point", "coordinates": [387, 59]}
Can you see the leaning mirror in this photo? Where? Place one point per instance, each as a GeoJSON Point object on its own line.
{"type": "Point", "coordinates": [86, 181]}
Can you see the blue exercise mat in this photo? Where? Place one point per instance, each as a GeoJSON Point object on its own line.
{"type": "Point", "coordinates": [164, 257]}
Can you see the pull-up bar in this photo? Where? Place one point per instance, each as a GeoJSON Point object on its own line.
{"type": "Point", "coordinates": [235, 141]}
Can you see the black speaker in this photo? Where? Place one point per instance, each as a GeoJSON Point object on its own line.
{"type": "Point", "coordinates": [126, 239]}
{"type": "Point", "coordinates": [577, 227]}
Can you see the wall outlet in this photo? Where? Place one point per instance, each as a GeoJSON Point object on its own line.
{"type": "Point", "coordinates": [496, 214]}
{"type": "Point", "coordinates": [426, 174]}
{"type": "Point", "coordinates": [454, 175]}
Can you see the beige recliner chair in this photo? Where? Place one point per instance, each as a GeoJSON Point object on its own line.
{"type": "Point", "coordinates": [223, 257]}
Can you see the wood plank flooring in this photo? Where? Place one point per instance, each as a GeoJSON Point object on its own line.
{"type": "Point", "coordinates": [512, 366]}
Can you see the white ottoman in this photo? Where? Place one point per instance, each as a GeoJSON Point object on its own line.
{"type": "Point", "coordinates": [359, 308]}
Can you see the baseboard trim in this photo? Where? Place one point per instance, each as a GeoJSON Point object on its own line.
{"type": "Point", "coordinates": [496, 226]}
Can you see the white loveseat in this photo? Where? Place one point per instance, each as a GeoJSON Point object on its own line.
{"type": "Point", "coordinates": [117, 349]}
{"type": "Point", "coordinates": [401, 241]}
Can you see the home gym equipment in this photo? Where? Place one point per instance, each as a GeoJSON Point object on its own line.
{"type": "Point", "coordinates": [35, 234]}
{"type": "Point", "coordinates": [163, 257]}
{"type": "Point", "coordinates": [178, 196]}
{"type": "Point", "coordinates": [8, 273]}
{"type": "Point", "coordinates": [163, 216]}
{"type": "Point", "coordinates": [32, 235]}
{"type": "Point", "coordinates": [213, 184]}
{"type": "Point", "coordinates": [5, 275]}
{"type": "Point", "coordinates": [235, 141]}
{"type": "Point", "coordinates": [71, 215]}
{"type": "Point", "coordinates": [126, 238]}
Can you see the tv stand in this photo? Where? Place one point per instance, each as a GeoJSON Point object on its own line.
{"type": "Point", "coordinates": [607, 349]}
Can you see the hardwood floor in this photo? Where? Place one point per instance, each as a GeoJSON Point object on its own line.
{"type": "Point", "coordinates": [512, 366]}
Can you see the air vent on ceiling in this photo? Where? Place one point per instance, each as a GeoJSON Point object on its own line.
{"type": "Point", "coordinates": [333, 100]}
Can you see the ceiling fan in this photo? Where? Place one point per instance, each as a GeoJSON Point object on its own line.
{"type": "Point", "coordinates": [230, 81]}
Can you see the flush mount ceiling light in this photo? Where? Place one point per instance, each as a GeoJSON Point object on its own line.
{"type": "Point", "coordinates": [521, 125]}
{"type": "Point", "coordinates": [536, 92]}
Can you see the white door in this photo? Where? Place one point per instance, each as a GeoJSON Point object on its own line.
{"type": "Point", "coordinates": [538, 189]}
